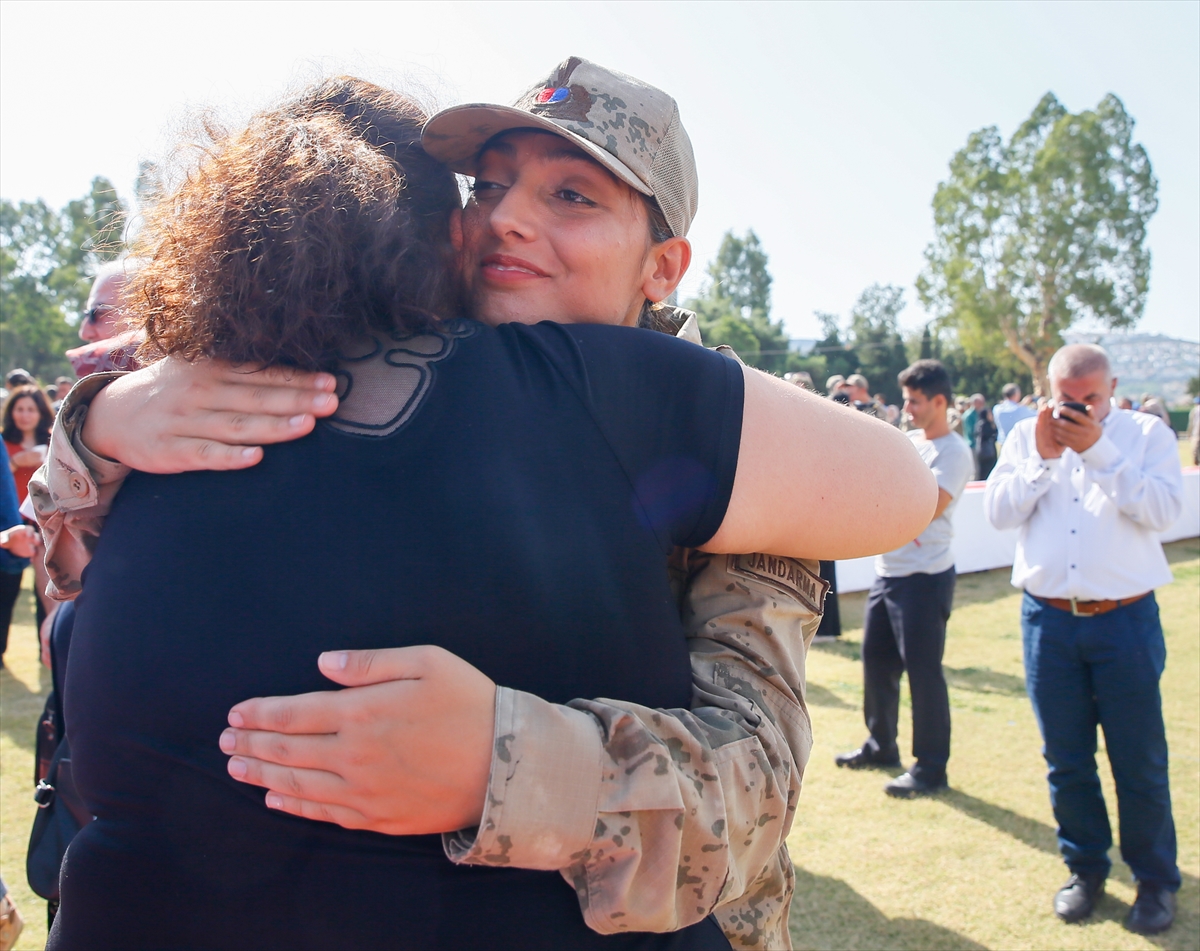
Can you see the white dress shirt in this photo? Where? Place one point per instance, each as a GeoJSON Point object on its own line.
{"type": "Point", "coordinates": [1089, 522]}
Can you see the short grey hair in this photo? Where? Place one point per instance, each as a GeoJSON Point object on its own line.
{"type": "Point", "coordinates": [1077, 360]}
{"type": "Point", "coordinates": [857, 380]}
{"type": "Point", "coordinates": [1010, 390]}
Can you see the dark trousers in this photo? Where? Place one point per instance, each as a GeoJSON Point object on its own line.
{"type": "Point", "coordinates": [831, 618]}
{"type": "Point", "coordinates": [10, 590]}
{"type": "Point", "coordinates": [905, 631]}
{"type": "Point", "coordinates": [1103, 670]}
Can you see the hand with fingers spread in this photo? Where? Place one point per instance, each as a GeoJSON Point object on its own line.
{"type": "Point", "coordinates": [404, 750]}
{"type": "Point", "coordinates": [1075, 430]}
{"type": "Point", "coordinates": [178, 416]}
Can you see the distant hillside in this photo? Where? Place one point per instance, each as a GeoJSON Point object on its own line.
{"type": "Point", "coordinates": [1148, 363]}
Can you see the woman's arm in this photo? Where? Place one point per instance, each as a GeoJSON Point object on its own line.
{"type": "Point", "coordinates": [172, 416]}
{"type": "Point", "coordinates": [817, 480]}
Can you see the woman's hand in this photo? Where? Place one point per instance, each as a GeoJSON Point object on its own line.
{"type": "Point", "coordinates": [176, 416]}
{"type": "Point", "coordinates": [30, 458]}
{"type": "Point", "coordinates": [21, 541]}
{"type": "Point", "coordinates": [405, 750]}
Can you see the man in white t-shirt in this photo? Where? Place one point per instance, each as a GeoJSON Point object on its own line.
{"type": "Point", "coordinates": [909, 604]}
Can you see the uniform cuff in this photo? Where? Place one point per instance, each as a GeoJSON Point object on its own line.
{"type": "Point", "coordinates": [543, 791]}
{"type": "Point", "coordinates": [73, 415]}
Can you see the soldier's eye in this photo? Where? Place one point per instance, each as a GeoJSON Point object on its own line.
{"type": "Point", "coordinates": [575, 197]}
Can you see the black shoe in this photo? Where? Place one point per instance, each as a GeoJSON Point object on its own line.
{"type": "Point", "coordinates": [1153, 910]}
{"type": "Point", "coordinates": [865, 758]}
{"type": "Point", "coordinates": [908, 786]}
{"type": "Point", "coordinates": [1077, 899]}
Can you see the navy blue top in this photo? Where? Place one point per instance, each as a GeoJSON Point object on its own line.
{"type": "Point", "coordinates": [9, 517]}
{"type": "Point", "coordinates": [518, 518]}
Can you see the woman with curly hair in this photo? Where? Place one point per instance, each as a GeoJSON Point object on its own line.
{"type": "Point", "coordinates": [498, 501]}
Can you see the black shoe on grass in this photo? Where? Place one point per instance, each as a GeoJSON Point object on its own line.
{"type": "Point", "coordinates": [909, 786]}
{"type": "Point", "coordinates": [1153, 910]}
{"type": "Point", "coordinates": [1077, 899]}
{"type": "Point", "coordinates": [866, 758]}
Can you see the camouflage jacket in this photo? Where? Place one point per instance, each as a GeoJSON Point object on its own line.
{"type": "Point", "coordinates": [658, 818]}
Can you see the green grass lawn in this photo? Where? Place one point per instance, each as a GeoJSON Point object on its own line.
{"type": "Point", "coordinates": [977, 866]}
{"type": "Point", "coordinates": [973, 868]}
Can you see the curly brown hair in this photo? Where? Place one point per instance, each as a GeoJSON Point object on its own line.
{"type": "Point", "coordinates": [45, 415]}
{"type": "Point", "coordinates": [320, 221]}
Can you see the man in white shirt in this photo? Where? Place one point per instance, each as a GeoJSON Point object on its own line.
{"type": "Point", "coordinates": [1009, 411]}
{"type": "Point", "coordinates": [1089, 490]}
{"type": "Point", "coordinates": [904, 628]}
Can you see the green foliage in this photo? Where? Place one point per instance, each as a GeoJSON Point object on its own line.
{"type": "Point", "coordinates": [1038, 232]}
{"type": "Point", "coordinates": [872, 346]}
{"type": "Point", "coordinates": [734, 306]}
{"type": "Point", "coordinates": [47, 260]}
{"type": "Point", "coordinates": [875, 333]}
{"type": "Point", "coordinates": [1193, 387]}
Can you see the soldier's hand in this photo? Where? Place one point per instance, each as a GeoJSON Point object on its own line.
{"type": "Point", "coordinates": [176, 416]}
{"type": "Point", "coordinates": [406, 749]}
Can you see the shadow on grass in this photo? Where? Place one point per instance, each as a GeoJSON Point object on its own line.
{"type": "Point", "coordinates": [1038, 835]}
{"type": "Point", "coordinates": [828, 913]}
{"type": "Point", "coordinates": [819, 696]}
{"type": "Point", "coordinates": [842, 647]}
{"type": "Point", "coordinates": [1187, 549]}
{"type": "Point", "coordinates": [21, 707]}
{"type": "Point", "coordinates": [984, 680]}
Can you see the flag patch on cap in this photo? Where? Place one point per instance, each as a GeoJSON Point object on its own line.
{"type": "Point", "coordinates": [552, 95]}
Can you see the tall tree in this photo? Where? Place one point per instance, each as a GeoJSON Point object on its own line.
{"type": "Point", "coordinates": [875, 334]}
{"type": "Point", "coordinates": [1036, 233]}
{"type": "Point", "coordinates": [47, 260]}
{"type": "Point", "coordinates": [734, 304]}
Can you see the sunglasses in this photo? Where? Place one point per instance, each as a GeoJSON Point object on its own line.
{"type": "Point", "coordinates": [93, 314]}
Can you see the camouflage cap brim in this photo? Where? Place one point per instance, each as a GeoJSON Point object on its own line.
{"type": "Point", "coordinates": [456, 135]}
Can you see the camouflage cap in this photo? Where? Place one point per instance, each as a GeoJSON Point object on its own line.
{"type": "Point", "coordinates": [630, 128]}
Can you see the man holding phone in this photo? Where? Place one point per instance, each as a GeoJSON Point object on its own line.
{"type": "Point", "coordinates": [1089, 486]}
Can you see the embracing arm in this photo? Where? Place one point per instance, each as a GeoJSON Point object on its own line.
{"type": "Point", "coordinates": [808, 479]}
{"type": "Point", "coordinates": [661, 817]}
{"type": "Point", "coordinates": [172, 416]}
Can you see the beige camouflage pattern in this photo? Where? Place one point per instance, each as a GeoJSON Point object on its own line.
{"type": "Point", "coordinates": [658, 818]}
{"type": "Point", "coordinates": [630, 127]}
{"type": "Point", "coordinates": [72, 491]}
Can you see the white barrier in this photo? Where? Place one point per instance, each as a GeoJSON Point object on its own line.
{"type": "Point", "coordinates": [979, 547]}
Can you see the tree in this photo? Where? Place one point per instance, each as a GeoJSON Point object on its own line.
{"type": "Point", "coordinates": [1034, 234]}
{"type": "Point", "coordinates": [734, 305]}
{"type": "Point", "coordinates": [47, 260]}
{"type": "Point", "coordinates": [1193, 387]}
{"type": "Point", "coordinates": [875, 334]}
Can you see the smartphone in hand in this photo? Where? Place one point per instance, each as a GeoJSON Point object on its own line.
{"type": "Point", "coordinates": [1078, 407]}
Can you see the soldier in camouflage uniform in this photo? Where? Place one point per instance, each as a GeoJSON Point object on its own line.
{"type": "Point", "coordinates": [689, 813]}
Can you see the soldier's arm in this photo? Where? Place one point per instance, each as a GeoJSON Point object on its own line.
{"type": "Point", "coordinates": [658, 818]}
{"type": "Point", "coordinates": [72, 492]}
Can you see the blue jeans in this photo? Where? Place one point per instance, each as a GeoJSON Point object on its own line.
{"type": "Point", "coordinates": [1103, 670]}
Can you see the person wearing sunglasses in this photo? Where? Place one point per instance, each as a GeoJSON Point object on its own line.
{"type": "Point", "coordinates": [109, 345]}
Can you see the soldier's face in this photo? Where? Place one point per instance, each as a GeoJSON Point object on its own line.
{"type": "Point", "coordinates": [549, 234]}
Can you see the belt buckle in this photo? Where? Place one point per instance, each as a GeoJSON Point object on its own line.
{"type": "Point", "coordinates": [1075, 610]}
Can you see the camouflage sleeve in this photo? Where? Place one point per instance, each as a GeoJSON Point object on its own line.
{"type": "Point", "coordinates": [659, 818]}
{"type": "Point", "coordinates": [73, 490]}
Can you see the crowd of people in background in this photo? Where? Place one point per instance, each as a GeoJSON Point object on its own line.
{"type": "Point", "coordinates": [961, 439]}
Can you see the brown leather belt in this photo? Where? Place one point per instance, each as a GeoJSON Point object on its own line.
{"type": "Point", "coordinates": [1088, 608]}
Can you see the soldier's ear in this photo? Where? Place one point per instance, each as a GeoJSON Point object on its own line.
{"type": "Point", "coordinates": [666, 263]}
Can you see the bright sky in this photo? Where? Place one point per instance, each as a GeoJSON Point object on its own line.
{"type": "Point", "coordinates": [824, 127]}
